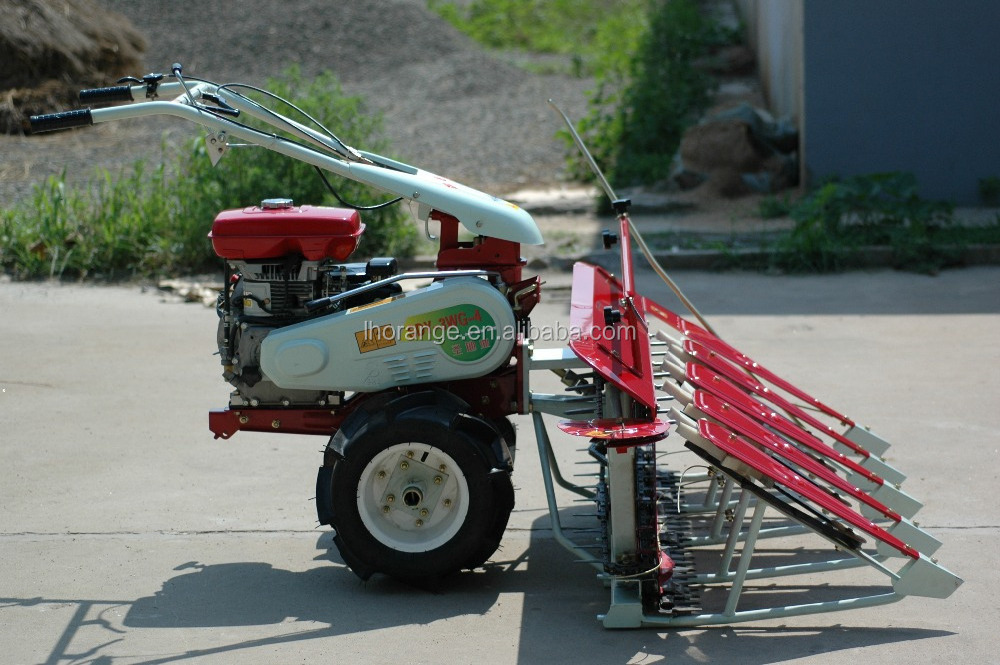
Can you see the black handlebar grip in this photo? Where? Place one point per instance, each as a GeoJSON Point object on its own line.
{"type": "Point", "coordinates": [63, 120]}
{"type": "Point", "coordinates": [115, 93]}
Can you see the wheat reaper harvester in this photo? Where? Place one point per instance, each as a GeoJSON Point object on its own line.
{"type": "Point", "coordinates": [415, 387]}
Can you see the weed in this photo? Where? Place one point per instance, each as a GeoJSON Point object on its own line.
{"type": "Point", "coordinates": [989, 190]}
{"type": "Point", "coordinates": [144, 221]}
{"type": "Point", "coordinates": [838, 220]}
{"type": "Point", "coordinates": [771, 207]}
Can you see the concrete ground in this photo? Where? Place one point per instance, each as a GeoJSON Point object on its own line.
{"type": "Point", "coordinates": [128, 535]}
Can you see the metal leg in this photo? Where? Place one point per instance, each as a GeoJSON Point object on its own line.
{"type": "Point", "coordinates": [542, 440]}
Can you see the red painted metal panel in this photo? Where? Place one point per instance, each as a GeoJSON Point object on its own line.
{"type": "Point", "coordinates": [704, 378]}
{"type": "Point", "coordinates": [732, 444]}
{"type": "Point", "coordinates": [619, 352]}
{"type": "Point", "coordinates": [751, 384]}
{"type": "Point", "coordinates": [731, 354]}
{"type": "Point", "coordinates": [736, 420]}
{"type": "Point", "coordinates": [720, 348]}
{"type": "Point", "coordinates": [314, 232]}
{"type": "Point", "coordinates": [614, 429]}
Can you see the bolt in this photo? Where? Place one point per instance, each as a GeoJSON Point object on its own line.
{"type": "Point", "coordinates": [381, 475]}
{"type": "Point", "coordinates": [409, 454]}
{"type": "Point", "coordinates": [276, 424]}
{"type": "Point", "coordinates": [442, 468]}
{"type": "Point", "coordinates": [447, 503]}
{"type": "Point", "coordinates": [404, 465]}
{"type": "Point", "coordinates": [386, 509]}
{"type": "Point", "coordinates": [244, 420]}
{"type": "Point", "coordinates": [438, 480]}
{"type": "Point", "coordinates": [390, 499]}
{"type": "Point", "coordinates": [420, 522]}
{"type": "Point", "coordinates": [423, 512]}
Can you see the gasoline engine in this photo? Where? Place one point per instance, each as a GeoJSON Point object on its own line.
{"type": "Point", "coordinates": [299, 326]}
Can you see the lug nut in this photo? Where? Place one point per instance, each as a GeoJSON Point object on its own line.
{"type": "Point", "coordinates": [420, 522]}
{"type": "Point", "coordinates": [404, 465]}
{"type": "Point", "coordinates": [423, 512]}
{"type": "Point", "coordinates": [381, 475]}
{"type": "Point", "coordinates": [438, 480]}
{"type": "Point", "coordinates": [390, 499]}
{"type": "Point", "coordinates": [447, 503]}
{"type": "Point", "coordinates": [386, 509]}
{"type": "Point", "coordinates": [409, 453]}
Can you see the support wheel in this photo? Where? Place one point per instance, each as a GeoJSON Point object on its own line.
{"type": "Point", "coordinates": [418, 490]}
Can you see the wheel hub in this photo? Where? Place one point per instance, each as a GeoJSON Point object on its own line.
{"type": "Point", "coordinates": [412, 497]}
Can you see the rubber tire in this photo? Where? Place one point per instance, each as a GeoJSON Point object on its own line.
{"type": "Point", "coordinates": [439, 419]}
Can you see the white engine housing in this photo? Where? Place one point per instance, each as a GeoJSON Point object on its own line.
{"type": "Point", "coordinates": [457, 328]}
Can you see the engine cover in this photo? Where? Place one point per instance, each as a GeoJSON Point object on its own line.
{"type": "Point", "coordinates": [453, 329]}
{"type": "Point", "coordinates": [272, 231]}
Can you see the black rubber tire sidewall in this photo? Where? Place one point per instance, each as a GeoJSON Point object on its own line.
{"type": "Point", "coordinates": [365, 553]}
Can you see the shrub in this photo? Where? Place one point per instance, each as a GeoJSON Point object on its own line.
{"type": "Point", "coordinates": [154, 221]}
{"type": "Point", "coordinates": [842, 216]}
{"type": "Point", "coordinates": [247, 175]}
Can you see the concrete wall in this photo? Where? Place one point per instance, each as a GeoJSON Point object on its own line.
{"type": "Point", "coordinates": [892, 85]}
{"type": "Point", "coordinates": [774, 30]}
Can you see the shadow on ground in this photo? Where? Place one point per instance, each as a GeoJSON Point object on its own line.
{"type": "Point", "coordinates": [560, 601]}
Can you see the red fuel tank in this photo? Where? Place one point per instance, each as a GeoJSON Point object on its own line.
{"type": "Point", "coordinates": [277, 228]}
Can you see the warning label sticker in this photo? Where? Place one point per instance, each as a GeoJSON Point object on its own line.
{"type": "Point", "coordinates": [374, 338]}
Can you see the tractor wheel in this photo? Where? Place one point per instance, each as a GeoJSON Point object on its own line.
{"type": "Point", "coordinates": [419, 490]}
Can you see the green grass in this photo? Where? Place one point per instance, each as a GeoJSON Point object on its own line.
{"type": "Point", "coordinates": [838, 221]}
{"type": "Point", "coordinates": [642, 54]}
{"type": "Point", "coordinates": [151, 221]}
{"type": "Point", "coordinates": [583, 29]}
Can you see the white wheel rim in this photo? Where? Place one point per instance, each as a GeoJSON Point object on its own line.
{"type": "Point", "coordinates": [412, 497]}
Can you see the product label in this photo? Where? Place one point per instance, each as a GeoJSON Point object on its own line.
{"type": "Point", "coordinates": [374, 338]}
{"type": "Point", "coordinates": [464, 332]}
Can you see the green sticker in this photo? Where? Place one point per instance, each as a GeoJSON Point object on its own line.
{"type": "Point", "coordinates": [464, 332]}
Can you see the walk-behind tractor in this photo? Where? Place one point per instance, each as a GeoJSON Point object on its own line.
{"type": "Point", "coordinates": [414, 375]}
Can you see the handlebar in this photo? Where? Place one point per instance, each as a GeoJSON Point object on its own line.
{"type": "Point", "coordinates": [115, 93]}
{"type": "Point", "coordinates": [62, 120]}
{"type": "Point", "coordinates": [217, 107]}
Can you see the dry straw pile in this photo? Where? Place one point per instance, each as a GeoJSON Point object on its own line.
{"type": "Point", "coordinates": [49, 49]}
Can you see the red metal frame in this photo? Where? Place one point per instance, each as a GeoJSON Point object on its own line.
{"type": "Point", "coordinates": [732, 444]}
{"type": "Point", "coordinates": [736, 420]}
{"type": "Point", "coordinates": [706, 379]}
{"type": "Point", "coordinates": [618, 352]}
{"type": "Point", "coordinates": [483, 253]}
{"type": "Point", "coordinates": [720, 347]}
{"type": "Point", "coordinates": [226, 422]}
{"type": "Point", "coordinates": [750, 384]}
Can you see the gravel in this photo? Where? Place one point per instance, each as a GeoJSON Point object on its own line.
{"type": "Point", "coordinates": [448, 106]}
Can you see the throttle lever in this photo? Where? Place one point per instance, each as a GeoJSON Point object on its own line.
{"type": "Point", "coordinates": [223, 107]}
